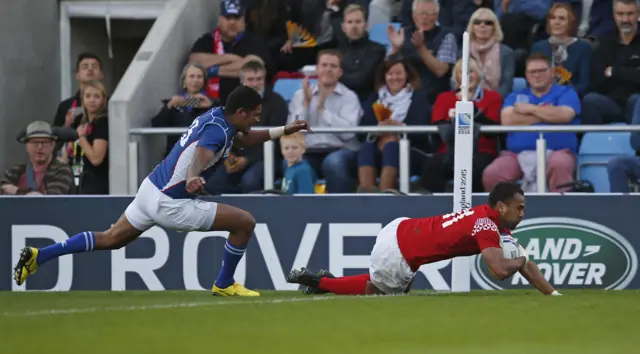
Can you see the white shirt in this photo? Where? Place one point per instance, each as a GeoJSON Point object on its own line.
{"type": "Point", "coordinates": [341, 109]}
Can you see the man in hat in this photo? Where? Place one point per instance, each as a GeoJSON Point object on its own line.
{"type": "Point", "coordinates": [42, 174]}
{"type": "Point", "coordinates": [225, 50]}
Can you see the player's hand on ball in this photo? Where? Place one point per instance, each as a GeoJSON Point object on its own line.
{"type": "Point", "coordinates": [522, 252]}
{"type": "Point", "coordinates": [195, 185]}
{"type": "Point", "coordinates": [296, 126]}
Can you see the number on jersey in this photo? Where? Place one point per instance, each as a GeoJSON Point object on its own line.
{"type": "Point", "coordinates": [185, 137]}
{"type": "Point", "coordinates": [454, 217]}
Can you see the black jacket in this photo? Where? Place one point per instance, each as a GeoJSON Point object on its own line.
{"type": "Point", "coordinates": [361, 59]}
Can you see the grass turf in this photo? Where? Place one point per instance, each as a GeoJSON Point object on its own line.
{"type": "Point", "coordinates": [288, 322]}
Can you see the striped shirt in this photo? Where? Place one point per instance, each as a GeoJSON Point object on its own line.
{"type": "Point", "coordinates": [58, 179]}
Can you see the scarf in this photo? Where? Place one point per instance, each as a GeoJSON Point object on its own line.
{"type": "Point", "coordinates": [559, 49]}
{"type": "Point", "coordinates": [489, 55]}
{"type": "Point", "coordinates": [213, 84]}
{"type": "Point", "coordinates": [398, 104]}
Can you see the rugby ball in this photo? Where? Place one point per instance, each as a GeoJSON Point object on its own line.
{"type": "Point", "coordinates": [509, 247]}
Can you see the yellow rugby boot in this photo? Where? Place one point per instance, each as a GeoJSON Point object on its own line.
{"type": "Point", "coordinates": [233, 290]}
{"type": "Point", "coordinates": [26, 265]}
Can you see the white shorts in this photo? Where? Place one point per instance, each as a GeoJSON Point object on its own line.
{"type": "Point", "coordinates": [152, 207]}
{"type": "Point", "coordinates": [389, 270]}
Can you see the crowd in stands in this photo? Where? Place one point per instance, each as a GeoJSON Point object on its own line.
{"type": "Point", "coordinates": [378, 63]}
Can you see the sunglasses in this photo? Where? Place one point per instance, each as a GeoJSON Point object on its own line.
{"type": "Point", "coordinates": [483, 22]}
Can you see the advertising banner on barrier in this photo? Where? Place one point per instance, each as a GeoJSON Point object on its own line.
{"type": "Point", "coordinates": [578, 242]}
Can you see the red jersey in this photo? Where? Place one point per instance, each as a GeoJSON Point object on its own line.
{"type": "Point", "coordinates": [490, 104]}
{"type": "Point", "coordinates": [432, 239]}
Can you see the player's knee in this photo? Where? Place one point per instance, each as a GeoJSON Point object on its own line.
{"type": "Point", "coordinates": [246, 222]}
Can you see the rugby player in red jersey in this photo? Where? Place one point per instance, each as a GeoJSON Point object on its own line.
{"type": "Point", "coordinates": [405, 244]}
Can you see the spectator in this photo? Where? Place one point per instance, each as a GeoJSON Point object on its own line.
{"type": "Point", "coordinates": [496, 59]}
{"type": "Point", "coordinates": [298, 176]}
{"type": "Point", "coordinates": [88, 68]}
{"type": "Point", "coordinates": [183, 108]}
{"type": "Point", "coordinates": [267, 20]}
{"type": "Point", "coordinates": [615, 75]}
{"type": "Point", "coordinates": [42, 174]}
{"type": "Point", "coordinates": [313, 28]}
{"type": "Point", "coordinates": [624, 169]}
{"type": "Point", "coordinates": [438, 168]}
{"type": "Point", "coordinates": [89, 155]}
{"type": "Point", "coordinates": [226, 50]}
{"type": "Point", "coordinates": [570, 56]}
{"type": "Point", "coordinates": [398, 101]}
{"type": "Point", "coordinates": [522, 24]}
{"type": "Point", "coordinates": [595, 17]}
{"type": "Point", "coordinates": [430, 49]}
{"type": "Point", "coordinates": [383, 11]}
{"type": "Point", "coordinates": [542, 103]}
{"type": "Point", "coordinates": [243, 171]}
{"type": "Point", "coordinates": [329, 104]}
{"type": "Point", "coordinates": [456, 14]}
{"type": "Point", "coordinates": [361, 56]}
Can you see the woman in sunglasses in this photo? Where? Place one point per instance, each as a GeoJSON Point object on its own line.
{"type": "Point", "coordinates": [496, 59]}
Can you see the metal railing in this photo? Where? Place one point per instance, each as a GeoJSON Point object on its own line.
{"type": "Point", "coordinates": [269, 152]}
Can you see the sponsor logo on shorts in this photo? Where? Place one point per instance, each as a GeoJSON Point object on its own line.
{"type": "Point", "coordinates": [571, 253]}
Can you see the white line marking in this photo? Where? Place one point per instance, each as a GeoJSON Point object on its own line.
{"type": "Point", "coordinates": [169, 306]}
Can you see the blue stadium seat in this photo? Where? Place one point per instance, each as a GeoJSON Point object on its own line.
{"type": "Point", "coordinates": [596, 150]}
{"type": "Point", "coordinates": [287, 87]}
{"type": "Point", "coordinates": [378, 33]}
{"type": "Point", "coordinates": [519, 83]}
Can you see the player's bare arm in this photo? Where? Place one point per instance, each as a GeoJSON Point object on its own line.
{"type": "Point", "coordinates": [531, 272]}
{"type": "Point", "coordinates": [501, 267]}
{"type": "Point", "coordinates": [202, 158]}
{"type": "Point", "coordinates": [254, 137]}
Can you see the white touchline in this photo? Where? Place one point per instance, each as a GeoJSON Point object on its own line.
{"type": "Point", "coordinates": [171, 306]}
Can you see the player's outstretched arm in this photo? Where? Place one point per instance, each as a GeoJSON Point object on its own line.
{"type": "Point", "coordinates": [501, 267]}
{"type": "Point", "coordinates": [531, 272]}
{"type": "Point", "coordinates": [254, 137]}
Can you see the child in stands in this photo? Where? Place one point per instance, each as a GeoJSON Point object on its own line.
{"type": "Point", "coordinates": [299, 177]}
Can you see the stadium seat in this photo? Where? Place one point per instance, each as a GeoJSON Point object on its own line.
{"type": "Point", "coordinates": [287, 87]}
{"type": "Point", "coordinates": [519, 83]}
{"type": "Point", "coordinates": [596, 150]}
{"type": "Point", "coordinates": [378, 33]}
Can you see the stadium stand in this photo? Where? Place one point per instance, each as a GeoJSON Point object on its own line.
{"type": "Point", "coordinates": [153, 75]}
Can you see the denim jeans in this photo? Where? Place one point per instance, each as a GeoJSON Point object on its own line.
{"type": "Point", "coordinates": [338, 168]}
{"type": "Point", "coordinates": [247, 181]}
{"type": "Point", "coordinates": [621, 170]}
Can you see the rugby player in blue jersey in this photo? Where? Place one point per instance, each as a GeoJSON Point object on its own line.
{"type": "Point", "coordinates": [168, 196]}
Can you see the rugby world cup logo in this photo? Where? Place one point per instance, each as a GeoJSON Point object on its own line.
{"type": "Point", "coordinates": [464, 119]}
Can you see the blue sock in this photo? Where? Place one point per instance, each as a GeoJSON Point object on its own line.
{"type": "Point", "coordinates": [232, 256]}
{"type": "Point", "coordinates": [82, 242]}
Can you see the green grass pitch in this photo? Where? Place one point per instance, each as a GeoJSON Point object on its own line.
{"type": "Point", "coordinates": [182, 322]}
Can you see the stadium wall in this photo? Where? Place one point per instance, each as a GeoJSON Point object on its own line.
{"type": "Point", "coordinates": [29, 75]}
{"type": "Point", "coordinates": [152, 76]}
{"type": "Point", "coordinates": [578, 241]}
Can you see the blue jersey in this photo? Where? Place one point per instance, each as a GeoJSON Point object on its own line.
{"type": "Point", "coordinates": [211, 131]}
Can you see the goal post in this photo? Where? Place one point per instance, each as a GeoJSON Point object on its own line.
{"type": "Point", "coordinates": [462, 167]}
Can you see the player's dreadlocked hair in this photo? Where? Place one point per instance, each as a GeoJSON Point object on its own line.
{"type": "Point", "coordinates": [504, 191]}
{"type": "Point", "coordinates": [243, 97]}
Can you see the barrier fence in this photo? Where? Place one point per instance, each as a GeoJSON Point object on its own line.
{"type": "Point", "coordinates": [404, 175]}
{"type": "Point", "coordinates": [576, 242]}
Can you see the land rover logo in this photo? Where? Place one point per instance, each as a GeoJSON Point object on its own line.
{"type": "Point", "coordinates": [571, 253]}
